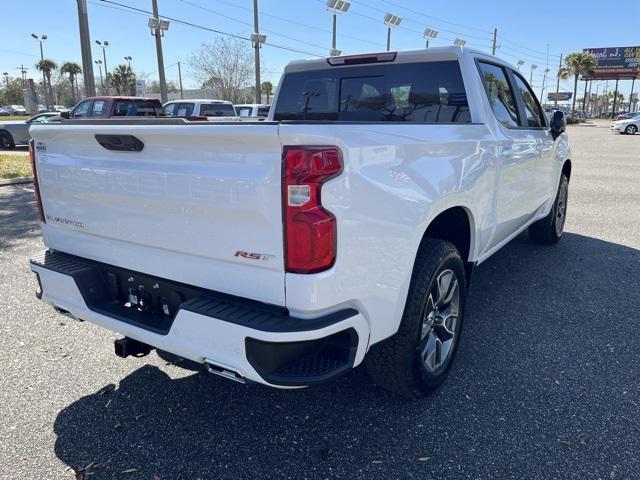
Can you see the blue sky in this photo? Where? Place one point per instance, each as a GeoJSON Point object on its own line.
{"type": "Point", "coordinates": [524, 29]}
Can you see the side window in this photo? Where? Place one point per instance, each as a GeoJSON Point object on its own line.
{"type": "Point", "coordinates": [169, 108]}
{"type": "Point", "coordinates": [82, 110]}
{"type": "Point", "coordinates": [99, 108]}
{"type": "Point", "coordinates": [499, 92]}
{"type": "Point", "coordinates": [532, 111]}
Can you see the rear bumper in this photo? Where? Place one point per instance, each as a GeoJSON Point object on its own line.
{"type": "Point", "coordinates": [260, 342]}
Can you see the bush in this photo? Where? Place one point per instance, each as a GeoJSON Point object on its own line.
{"type": "Point", "coordinates": [572, 120]}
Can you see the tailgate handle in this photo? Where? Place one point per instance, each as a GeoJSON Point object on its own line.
{"type": "Point", "coordinates": [120, 143]}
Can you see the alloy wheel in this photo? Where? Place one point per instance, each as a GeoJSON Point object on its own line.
{"type": "Point", "coordinates": [561, 208]}
{"type": "Point", "coordinates": [440, 322]}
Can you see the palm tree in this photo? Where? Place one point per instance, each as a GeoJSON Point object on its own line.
{"type": "Point", "coordinates": [47, 67]}
{"type": "Point", "coordinates": [267, 89]}
{"type": "Point", "coordinates": [577, 64]}
{"type": "Point", "coordinates": [73, 70]}
{"type": "Point", "coordinates": [123, 80]}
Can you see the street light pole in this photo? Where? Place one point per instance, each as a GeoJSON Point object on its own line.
{"type": "Point", "coordinates": [104, 44]}
{"type": "Point", "coordinates": [429, 33]}
{"type": "Point", "coordinates": [41, 39]}
{"type": "Point", "coordinates": [128, 58]}
{"type": "Point", "coordinates": [99, 63]}
{"type": "Point", "coordinates": [391, 20]}
{"type": "Point", "coordinates": [533, 67]}
{"type": "Point", "coordinates": [336, 7]}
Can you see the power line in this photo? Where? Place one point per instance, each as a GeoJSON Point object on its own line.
{"type": "Point", "coordinates": [295, 22]}
{"type": "Point", "coordinates": [249, 24]}
{"type": "Point", "coordinates": [466, 35]}
{"type": "Point", "coordinates": [438, 19]}
{"type": "Point", "coordinates": [213, 30]}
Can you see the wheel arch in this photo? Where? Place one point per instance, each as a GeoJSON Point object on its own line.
{"type": "Point", "coordinates": [457, 226]}
{"type": "Point", "coordinates": [566, 168]}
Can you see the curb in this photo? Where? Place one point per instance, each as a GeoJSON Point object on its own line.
{"type": "Point", "coordinates": [15, 181]}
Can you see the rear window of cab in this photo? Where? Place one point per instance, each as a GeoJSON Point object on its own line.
{"type": "Point", "coordinates": [427, 92]}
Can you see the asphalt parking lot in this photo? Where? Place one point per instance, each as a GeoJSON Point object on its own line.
{"type": "Point", "coordinates": [545, 385]}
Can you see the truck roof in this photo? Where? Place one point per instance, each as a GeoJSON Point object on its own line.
{"type": "Point", "coordinates": [200, 100]}
{"type": "Point", "coordinates": [402, 56]}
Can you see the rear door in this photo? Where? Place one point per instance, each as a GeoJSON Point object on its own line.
{"type": "Point", "coordinates": [517, 153]}
{"type": "Point", "coordinates": [534, 123]}
{"type": "Point", "coordinates": [200, 204]}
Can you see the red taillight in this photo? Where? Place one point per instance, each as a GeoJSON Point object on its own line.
{"type": "Point", "coordinates": [36, 185]}
{"type": "Point", "coordinates": [309, 229]}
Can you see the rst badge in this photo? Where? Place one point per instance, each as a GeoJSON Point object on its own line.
{"type": "Point", "coordinates": [254, 256]}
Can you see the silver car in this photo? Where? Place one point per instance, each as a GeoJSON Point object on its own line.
{"type": "Point", "coordinates": [16, 132]}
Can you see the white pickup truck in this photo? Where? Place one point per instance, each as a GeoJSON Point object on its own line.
{"type": "Point", "coordinates": [343, 229]}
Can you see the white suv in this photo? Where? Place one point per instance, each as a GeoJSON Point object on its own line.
{"type": "Point", "coordinates": [212, 109]}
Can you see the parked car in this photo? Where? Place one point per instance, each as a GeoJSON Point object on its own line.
{"type": "Point", "coordinates": [115, 106]}
{"type": "Point", "coordinates": [61, 108]}
{"type": "Point", "coordinates": [16, 132]}
{"type": "Point", "coordinates": [4, 112]}
{"type": "Point", "coordinates": [255, 111]}
{"type": "Point", "coordinates": [287, 252]}
{"type": "Point", "coordinates": [628, 126]}
{"type": "Point", "coordinates": [16, 109]}
{"type": "Point", "coordinates": [625, 116]}
{"type": "Point", "coordinates": [220, 110]}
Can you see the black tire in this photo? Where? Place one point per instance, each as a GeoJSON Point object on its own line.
{"type": "Point", "coordinates": [549, 229]}
{"type": "Point", "coordinates": [6, 141]}
{"type": "Point", "coordinates": [396, 363]}
{"type": "Point", "coordinates": [631, 130]}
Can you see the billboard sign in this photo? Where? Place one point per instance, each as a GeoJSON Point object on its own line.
{"type": "Point", "coordinates": [612, 62]}
{"type": "Point", "coordinates": [560, 96]}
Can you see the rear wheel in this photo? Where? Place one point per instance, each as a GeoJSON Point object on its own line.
{"type": "Point", "coordinates": [6, 141]}
{"type": "Point", "coordinates": [548, 230]}
{"type": "Point", "coordinates": [631, 129]}
{"type": "Point", "coordinates": [417, 359]}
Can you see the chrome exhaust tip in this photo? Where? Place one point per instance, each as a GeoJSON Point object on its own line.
{"type": "Point", "coordinates": [223, 370]}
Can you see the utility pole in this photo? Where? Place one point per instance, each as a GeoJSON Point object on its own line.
{"type": "Point", "coordinates": [558, 83]}
{"type": "Point", "coordinates": [584, 99]}
{"type": "Point", "coordinates": [180, 81]}
{"type": "Point", "coordinates": [633, 82]}
{"type": "Point", "coordinates": [495, 41]}
{"type": "Point", "coordinates": [256, 44]}
{"type": "Point", "coordinates": [157, 33]}
{"type": "Point", "coordinates": [23, 74]}
{"type": "Point", "coordinates": [85, 48]}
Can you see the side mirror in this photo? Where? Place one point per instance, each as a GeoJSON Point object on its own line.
{"type": "Point", "coordinates": [558, 124]}
{"type": "Point", "coordinates": [65, 114]}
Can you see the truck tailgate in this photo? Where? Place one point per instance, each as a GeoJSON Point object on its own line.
{"type": "Point", "coordinates": [200, 204]}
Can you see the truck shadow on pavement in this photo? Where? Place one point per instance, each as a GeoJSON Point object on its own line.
{"type": "Point", "coordinates": [526, 397]}
{"type": "Point", "coordinates": [18, 215]}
